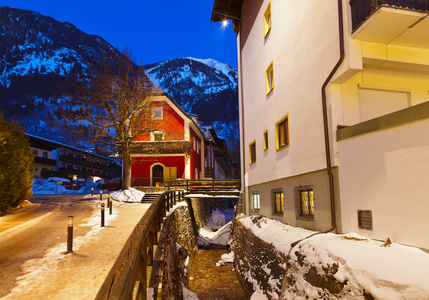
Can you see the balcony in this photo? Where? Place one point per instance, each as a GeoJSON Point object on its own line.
{"type": "Point", "coordinates": [45, 161]}
{"type": "Point", "coordinates": [393, 22]}
{"type": "Point", "coordinates": [83, 162]}
{"type": "Point", "coordinates": [161, 147]}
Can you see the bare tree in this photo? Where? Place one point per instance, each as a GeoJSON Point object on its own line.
{"type": "Point", "coordinates": [113, 108]}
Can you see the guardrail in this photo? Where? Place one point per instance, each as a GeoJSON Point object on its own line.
{"type": "Point", "coordinates": [128, 277]}
{"type": "Point", "coordinates": [204, 184]}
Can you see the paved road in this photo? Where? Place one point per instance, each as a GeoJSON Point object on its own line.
{"type": "Point", "coordinates": [27, 234]}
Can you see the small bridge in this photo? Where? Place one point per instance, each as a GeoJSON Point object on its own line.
{"type": "Point", "coordinates": [206, 188]}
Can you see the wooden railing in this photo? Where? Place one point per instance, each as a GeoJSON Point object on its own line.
{"type": "Point", "coordinates": [362, 9]}
{"type": "Point", "coordinates": [128, 277]}
{"type": "Point", "coordinates": [204, 184]}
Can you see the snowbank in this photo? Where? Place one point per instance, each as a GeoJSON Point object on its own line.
{"type": "Point", "coordinates": [360, 265]}
{"type": "Point", "coordinates": [131, 195]}
{"type": "Point", "coordinates": [216, 232]}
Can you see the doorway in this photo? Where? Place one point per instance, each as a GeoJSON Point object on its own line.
{"type": "Point", "coordinates": [157, 175]}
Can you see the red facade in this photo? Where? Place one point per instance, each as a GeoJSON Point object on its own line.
{"type": "Point", "coordinates": [172, 146]}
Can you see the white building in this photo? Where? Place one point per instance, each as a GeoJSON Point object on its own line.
{"type": "Point", "coordinates": [334, 114]}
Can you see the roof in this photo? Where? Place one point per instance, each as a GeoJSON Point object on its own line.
{"type": "Point", "coordinates": [54, 144]}
{"type": "Point", "coordinates": [226, 10]}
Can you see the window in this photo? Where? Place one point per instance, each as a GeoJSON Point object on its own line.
{"type": "Point", "coordinates": [157, 136]}
{"type": "Point", "coordinates": [45, 154]}
{"type": "Point", "coordinates": [252, 152]}
{"type": "Point", "coordinates": [256, 204]}
{"type": "Point", "coordinates": [278, 202]}
{"type": "Point", "coordinates": [365, 219]}
{"type": "Point", "coordinates": [267, 20]}
{"type": "Point", "coordinates": [269, 78]}
{"type": "Point", "coordinates": [157, 113]}
{"type": "Point", "coordinates": [265, 140]}
{"type": "Point", "coordinates": [282, 132]}
{"type": "Point", "coordinates": [307, 202]}
{"type": "Point", "coordinates": [34, 152]}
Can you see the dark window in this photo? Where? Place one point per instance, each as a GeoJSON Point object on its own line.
{"type": "Point", "coordinates": [266, 140]}
{"type": "Point", "coordinates": [282, 134]}
{"type": "Point", "coordinates": [157, 136]}
{"type": "Point", "coordinates": [45, 154]}
{"type": "Point", "coordinates": [252, 153]}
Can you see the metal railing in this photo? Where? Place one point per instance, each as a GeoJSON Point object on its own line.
{"type": "Point", "coordinates": [362, 9]}
{"type": "Point", "coordinates": [128, 277]}
{"type": "Point", "coordinates": [204, 184]}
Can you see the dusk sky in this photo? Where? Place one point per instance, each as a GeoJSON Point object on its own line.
{"type": "Point", "coordinates": [154, 30]}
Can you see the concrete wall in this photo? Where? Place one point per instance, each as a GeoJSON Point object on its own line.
{"type": "Point", "coordinates": [387, 172]}
{"type": "Point", "coordinates": [318, 181]}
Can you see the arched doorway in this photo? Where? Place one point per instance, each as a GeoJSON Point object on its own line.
{"type": "Point", "coordinates": [157, 174]}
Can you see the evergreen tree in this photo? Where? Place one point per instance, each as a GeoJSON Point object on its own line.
{"type": "Point", "coordinates": [16, 176]}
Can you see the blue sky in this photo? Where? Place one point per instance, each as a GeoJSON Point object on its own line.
{"type": "Point", "coordinates": [154, 30]}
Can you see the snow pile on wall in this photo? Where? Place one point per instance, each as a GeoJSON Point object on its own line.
{"type": "Point", "coordinates": [132, 195]}
{"type": "Point", "coordinates": [327, 266]}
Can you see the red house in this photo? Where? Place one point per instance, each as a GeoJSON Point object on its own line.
{"type": "Point", "coordinates": [173, 147]}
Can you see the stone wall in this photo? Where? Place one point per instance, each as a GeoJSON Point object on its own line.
{"type": "Point", "coordinates": [257, 263]}
{"type": "Point", "coordinates": [202, 209]}
{"type": "Point", "coordinates": [178, 229]}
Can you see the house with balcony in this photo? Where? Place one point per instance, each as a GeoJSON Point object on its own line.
{"type": "Point", "coordinates": [75, 164]}
{"type": "Point", "coordinates": [172, 147]}
{"type": "Point", "coordinates": [334, 113]}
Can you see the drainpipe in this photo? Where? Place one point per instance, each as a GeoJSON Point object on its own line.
{"type": "Point", "coordinates": [326, 126]}
{"type": "Point", "coordinates": [243, 150]}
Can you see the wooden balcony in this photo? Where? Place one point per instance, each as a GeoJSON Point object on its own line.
{"type": "Point", "coordinates": [391, 22]}
{"type": "Point", "coordinates": [45, 161]}
{"type": "Point", "coordinates": [162, 147]}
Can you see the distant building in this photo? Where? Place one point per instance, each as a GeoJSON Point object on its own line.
{"type": "Point", "coordinates": [175, 148]}
{"type": "Point", "coordinates": [334, 114]}
{"type": "Point", "coordinates": [73, 163]}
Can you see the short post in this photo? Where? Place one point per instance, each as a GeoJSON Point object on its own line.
{"type": "Point", "coordinates": [69, 234]}
{"type": "Point", "coordinates": [92, 191]}
{"type": "Point", "coordinates": [101, 195]}
{"type": "Point", "coordinates": [102, 214]}
{"type": "Point", "coordinates": [110, 205]}
{"type": "Point", "coordinates": [108, 201]}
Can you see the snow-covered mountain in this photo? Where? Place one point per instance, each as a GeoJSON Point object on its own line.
{"type": "Point", "coordinates": [41, 57]}
{"type": "Point", "coordinates": [204, 87]}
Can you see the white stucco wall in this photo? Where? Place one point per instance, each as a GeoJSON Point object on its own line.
{"type": "Point", "coordinates": [303, 48]}
{"type": "Point", "coordinates": [387, 172]}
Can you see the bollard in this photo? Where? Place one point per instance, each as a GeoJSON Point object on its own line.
{"type": "Point", "coordinates": [101, 195]}
{"type": "Point", "coordinates": [110, 205]}
{"type": "Point", "coordinates": [102, 214]}
{"type": "Point", "coordinates": [69, 234]}
{"type": "Point", "coordinates": [108, 201]}
{"type": "Point", "coordinates": [92, 191]}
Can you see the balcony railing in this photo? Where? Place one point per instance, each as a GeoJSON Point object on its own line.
{"type": "Point", "coordinates": [83, 162]}
{"type": "Point", "coordinates": [45, 161]}
{"type": "Point", "coordinates": [164, 147]}
{"type": "Point", "coordinates": [362, 9]}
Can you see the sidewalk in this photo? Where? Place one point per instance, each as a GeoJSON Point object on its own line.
{"type": "Point", "coordinates": [79, 275]}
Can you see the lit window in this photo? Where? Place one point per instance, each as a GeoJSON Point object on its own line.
{"type": "Point", "coordinates": [305, 203]}
{"type": "Point", "coordinates": [267, 20]}
{"type": "Point", "coordinates": [256, 204]}
{"type": "Point", "coordinates": [265, 140]}
{"type": "Point", "coordinates": [269, 78]}
{"type": "Point", "coordinates": [278, 202]}
{"type": "Point", "coordinates": [157, 113]}
{"type": "Point", "coordinates": [282, 133]}
{"type": "Point", "coordinates": [252, 152]}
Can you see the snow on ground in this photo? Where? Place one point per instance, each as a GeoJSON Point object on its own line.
{"type": "Point", "coordinates": [79, 275]}
{"type": "Point", "coordinates": [387, 271]}
{"type": "Point", "coordinates": [215, 231]}
{"type": "Point", "coordinates": [51, 186]}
